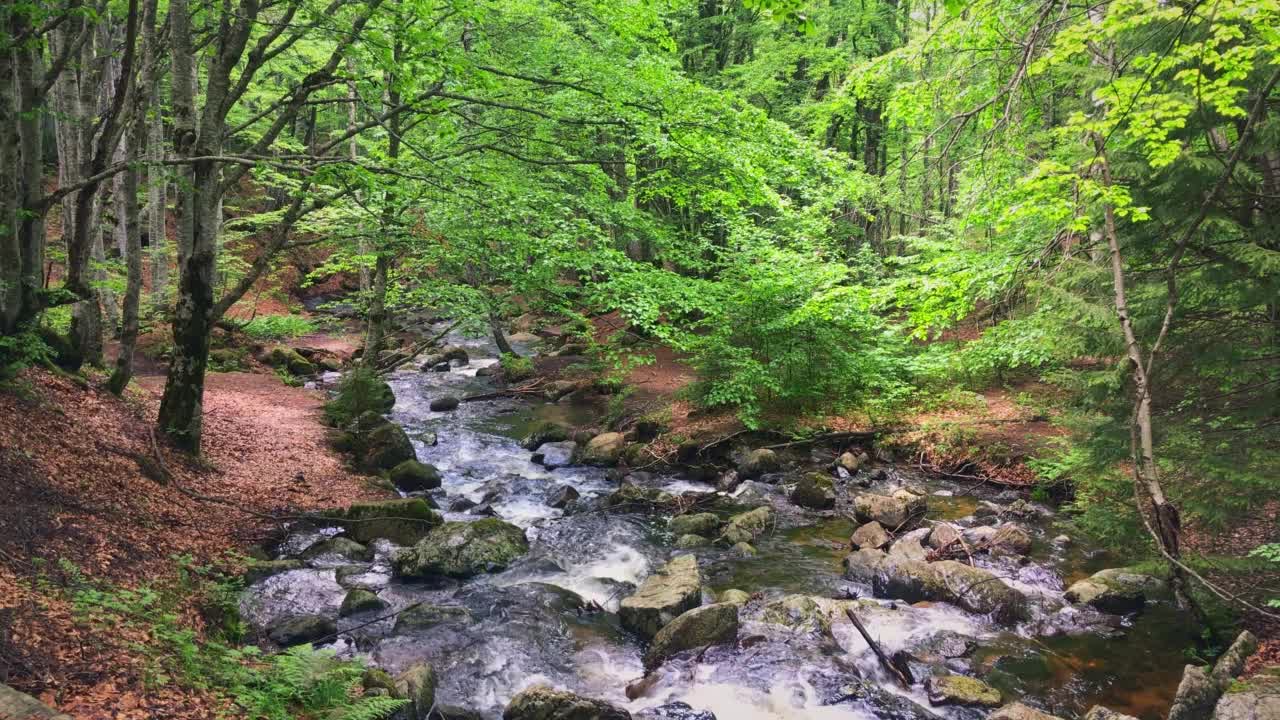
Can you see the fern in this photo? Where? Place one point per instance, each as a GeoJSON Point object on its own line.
{"type": "Point", "coordinates": [370, 708]}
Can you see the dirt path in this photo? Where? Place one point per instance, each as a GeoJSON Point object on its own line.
{"type": "Point", "coordinates": [82, 486]}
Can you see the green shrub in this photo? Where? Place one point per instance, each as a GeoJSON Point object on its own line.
{"type": "Point", "coordinates": [360, 391]}
{"type": "Point", "coordinates": [275, 327]}
{"type": "Point", "coordinates": [516, 368]}
{"type": "Point", "coordinates": [300, 681]}
{"type": "Point", "coordinates": [790, 331]}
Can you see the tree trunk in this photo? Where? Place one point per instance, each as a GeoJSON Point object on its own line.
{"type": "Point", "coordinates": [376, 324]}
{"type": "Point", "coordinates": [157, 179]}
{"type": "Point", "coordinates": [12, 311]}
{"type": "Point", "coordinates": [499, 339]}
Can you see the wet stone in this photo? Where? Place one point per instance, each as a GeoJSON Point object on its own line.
{"type": "Point", "coordinates": [673, 589]}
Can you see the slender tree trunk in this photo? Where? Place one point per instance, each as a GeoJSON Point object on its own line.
{"type": "Point", "coordinates": [353, 152]}
{"type": "Point", "coordinates": [376, 325]}
{"type": "Point", "coordinates": [11, 260]}
{"type": "Point", "coordinates": [157, 180]}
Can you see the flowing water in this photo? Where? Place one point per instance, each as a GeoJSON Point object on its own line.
{"type": "Point", "coordinates": [549, 618]}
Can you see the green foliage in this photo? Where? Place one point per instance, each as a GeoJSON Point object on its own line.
{"type": "Point", "coordinates": [1271, 553]}
{"type": "Point", "coordinates": [22, 350]}
{"type": "Point", "coordinates": [281, 686]}
{"type": "Point", "coordinates": [360, 391]}
{"type": "Point", "coordinates": [277, 327]}
{"type": "Point", "coordinates": [516, 368]}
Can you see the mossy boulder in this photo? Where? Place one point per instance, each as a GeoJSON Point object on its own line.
{"type": "Point", "coordinates": [263, 569]}
{"type": "Point", "coordinates": [691, 541]}
{"type": "Point", "coordinates": [402, 521]}
{"type": "Point", "coordinates": [417, 684]}
{"type": "Point", "coordinates": [1010, 539]}
{"type": "Point", "coordinates": [287, 358]}
{"type": "Point", "coordinates": [707, 625]}
{"type": "Point", "coordinates": [735, 596]}
{"type": "Point", "coordinates": [463, 549]}
{"type": "Point", "coordinates": [964, 586]}
{"type": "Point", "coordinates": [544, 432]}
{"type": "Point", "coordinates": [757, 463]}
{"type": "Point", "coordinates": [301, 629]}
{"type": "Point", "coordinates": [673, 589]}
{"type": "Point", "coordinates": [961, 690]}
{"type": "Point", "coordinates": [632, 496]}
{"type": "Point", "coordinates": [414, 476]}
{"type": "Point", "coordinates": [1018, 711]}
{"type": "Point", "coordinates": [747, 526]}
{"type": "Point", "coordinates": [1115, 590]}
{"type": "Point", "coordinates": [423, 616]}
{"type": "Point", "coordinates": [814, 491]}
{"type": "Point", "coordinates": [704, 524]}
{"type": "Point", "coordinates": [386, 446]}
{"type": "Point", "coordinates": [541, 702]}
{"type": "Point", "coordinates": [358, 601]}
{"type": "Point", "coordinates": [893, 512]}
{"type": "Point", "coordinates": [603, 449]}
{"type": "Point", "coordinates": [1257, 698]}
{"type": "Point", "coordinates": [337, 551]}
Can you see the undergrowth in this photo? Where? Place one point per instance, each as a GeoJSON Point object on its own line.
{"type": "Point", "coordinates": [298, 682]}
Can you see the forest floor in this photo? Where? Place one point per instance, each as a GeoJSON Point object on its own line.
{"type": "Point", "coordinates": [98, 502]}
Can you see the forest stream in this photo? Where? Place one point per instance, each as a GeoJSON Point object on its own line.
{"type": "Point", "coordinates": [551, 616]}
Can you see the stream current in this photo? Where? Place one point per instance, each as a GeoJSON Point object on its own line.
{"type": "Point", "coordinates": [549, 618]}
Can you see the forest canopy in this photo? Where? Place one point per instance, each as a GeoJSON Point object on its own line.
{"type": "Point", "coordinates": [827, 207]}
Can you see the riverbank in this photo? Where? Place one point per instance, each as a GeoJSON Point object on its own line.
{"type": "Point", "coordinates": [95, 498]}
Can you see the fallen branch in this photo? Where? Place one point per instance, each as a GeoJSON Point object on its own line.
{"type": "Point", "coordinates": [416, 350]}
{"type": "Point", "coordinates": [903, 677]}
{"type": "Point", "coordinates": [828, 437]}
{"type": "Point", "coordinates": [530, 388]}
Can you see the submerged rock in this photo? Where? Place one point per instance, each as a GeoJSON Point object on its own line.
{"type": "Point", "coordinates": [747, 526]}
{"type": "Point", "coordinates": [675, 588]}
{"type": "Point", "coordinates": [961, 690]}
{"type": "Point", "coordinates": [707, 625]}
{"type": "Point", "coordinates": [561, 496]}
{"type": "Point", "coordinates": [541, 702]}
{"type": "Point", "coordinates": [424, 615]}
{"type": "Point", "coordinates": [814, 491]}
{"type": "Point", "coordinates": [403, 521]}
{"type": "Point", "coordinates": [463, 549]}
{"type": "Point", "coordinates": [674, 711]}
{"type": "Point", "coordinates": [1018, 711]}
{"type": "Point", "coordinates": [445, 404]}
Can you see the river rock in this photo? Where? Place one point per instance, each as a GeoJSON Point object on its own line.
{"type": "Point", "coordinates": [871, 536]}
{"type": "Point", "coordinates": [1196, 696]}
{"type": "Point", "coordinates": [672, 590]}
{"type": "Point", "coordinates": [263, 569]}
{"type": "Point", "coordinates": [286, 358]}
{"type": "Point", "coordinates": [552, 455]}
{"type": "Point", "coordinates": [728, 481]}
{"type": "Point", "coordinates": [463, 549]}
{"type": "Point", "coordinates": [414, 476]}
{"type": "Point", "coordinates": [418, 685]}
{"type": "Point", "coordinates": [961, 690]}
{"type": "Point", "coordinates": [358, 601]}
{"type": "Point", "coordinates": [386, 446]}
{"type": "Point", "coordinates": [561, 496]}
{"type": "Point", "coordinates": [1116, 590]}
{"type": "Point", "coordinates": [891, 512]}
{"type": "Point", "coordinates": [1009, 539]}
{"type": "Point", "coordinates": [1257, 698]}
{"type": "Point", "coordinates": [336, 551]}
{"type": "Point", "coordinates": [852, 462]}
{"type": "Point", "coordinates": [942, 535]}
{"type": "Point", "coordinates": [557, 389]}
{"type": "Point", "coordinates": [603, 449]}
{"type": "Point", "coordinates": [423, 616]}
{"type": "Point", "coordinates": [1097, 712]}
{"type": "Point", "coordinates": [301, 629]}
{"type": "Point", "coordinates": [969, 588]}
{"type": "Point", "coordinates": [698, 524]}
{"type": "Point", "coordinates": [910, 546]}
{"type": "Point", "coordinates": [403, 521]}
{"type": "Point", "coordinates": [1018, 711]}
{"type": "Point", "coordinates": [707, 625]}
{"type": "Point", "coordinates": [863, 565]}
{"type": "Point", "coordinates": [674, 711]}
{"type": "Point", "coordinates": [541, 702]}
{"type": "Point", "coordinates": [632, 496]}
{"type": "Point", "coordinates": [747, 526]}
{"type": "Point", "coordinates": [943, 645]}
{"type": "Point", "coordinates": [744, 550]}
{"type": "Point", "coordinates": [690, 541]}
{"type": "Point", "coordinates": [1231, 664]}
{"type": "Point", "coordinates": [735, 596]}
{"type": "Point", "coordinates": [757, 463]}
{"type": "Point", "coordinates": [544, 432]}
{"type": "Point", "coordinates": [445, 404]}
{"type": "Point", "coordinates": [814, 491]}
